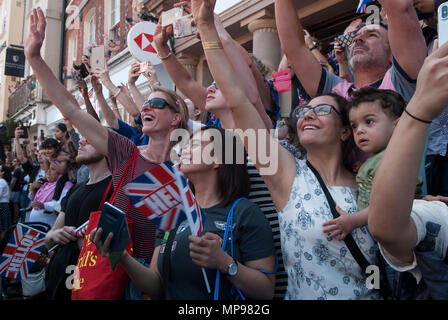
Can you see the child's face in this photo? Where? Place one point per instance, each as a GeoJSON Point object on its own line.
{"type": "Point", "coordinates": [372, 126]}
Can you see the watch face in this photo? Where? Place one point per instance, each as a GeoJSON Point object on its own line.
{"type": "Point", "coordinates": [233, 269]}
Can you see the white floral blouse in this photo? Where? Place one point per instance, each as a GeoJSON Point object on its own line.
{"type": "Point", "coordinates": [319, 268]}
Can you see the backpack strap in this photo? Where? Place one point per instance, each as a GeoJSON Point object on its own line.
{"type": "Point", "coordinates": [229, 225]}
{"type": "Point", "coordinates": [166, 265]}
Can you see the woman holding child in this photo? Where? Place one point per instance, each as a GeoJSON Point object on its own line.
{"type": "Point", "coordinates": [317, 267]}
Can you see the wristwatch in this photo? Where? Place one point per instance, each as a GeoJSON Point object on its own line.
{"type": "Point", "coordinates": [232, 269]}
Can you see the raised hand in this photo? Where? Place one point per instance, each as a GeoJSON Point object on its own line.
{"type": "Point", "coordinates": [203, 11]}
{"type": "Point", "coordinates": [36, 37]}
{"type": "Point", "coordinates": [134, 73]}
{"type": "Point", "coordinates": [81, 85]}
{"type": "Point", "coordinates": [96, 85]}
{"type": "Point", "coordinates": [162, 35]}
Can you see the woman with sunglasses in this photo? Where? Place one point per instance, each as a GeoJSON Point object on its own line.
{"type": "Point", "coordinates": [217, 187]}
{"type": "Point", "coordinates": [317, 268]}
{"type": "Point", "coordinates": [164, 112]}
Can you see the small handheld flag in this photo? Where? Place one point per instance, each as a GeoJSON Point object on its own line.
{"type": "Point", "coordinates": [22, 251]}
{"type": "Point", "coordinates": [80, 233]}
{"type": "Point", "coordinates": [156, 194]}
{"type": "Point", "coordinates": [163, 195]}
{"type": "Point", "coordinates": [362, 6]}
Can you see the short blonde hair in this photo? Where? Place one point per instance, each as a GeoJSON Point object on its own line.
{"type": "Point", "coordinates": [176, 103]}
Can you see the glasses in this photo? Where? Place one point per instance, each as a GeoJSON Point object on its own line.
{"type": "Point", "coordinates": [214, 84]}
{"type": "Point", "coordinates": [319, 110]}
{"type": "Point", "coordinates": [158, 103]}
{"type": "Point", "coordinates": [280, 123]}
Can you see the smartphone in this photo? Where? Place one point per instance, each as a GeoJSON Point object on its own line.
{"type": "Point", "coordinates": [282, 80]}
{"type": "Point", "coordinates": [184, 27]}
{"type": "Point", "coordinates": [442, 16]}
{"type": "Point", "coordinates": [112, 220]}
{"type": "Point", "coordinates": [168, 17]}
{"type": "Point", "coordinates": [25, 131]}
{"type": "Point", "coordinates": [346, 40]}
{"type": "Point", "coordinates": [144, 67]}
{"type": "Point", "coordinates": [97, 59]}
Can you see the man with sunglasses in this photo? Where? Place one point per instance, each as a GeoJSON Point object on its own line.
{"type": "Point", "coordinates": [379, 57]}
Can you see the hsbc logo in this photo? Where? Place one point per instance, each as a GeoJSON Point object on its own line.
{"type": "Point", "coordinates": [144, 42]}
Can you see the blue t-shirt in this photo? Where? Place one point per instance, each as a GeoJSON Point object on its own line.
{"type": "Point", "coordinates": [137, 137]}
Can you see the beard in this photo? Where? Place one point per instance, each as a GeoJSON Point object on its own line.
{"type": "Point", "coordinates": [86, 160]}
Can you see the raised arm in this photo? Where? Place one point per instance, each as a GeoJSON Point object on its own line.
{"type": "Point", "coordinates": [394, 184]}
{"type": "Point", "coordinates": [302, 61]}
{"type": "Point", "coordinates": [82, 87]}
{"type": "Point", "coordinates": [134, 73]}
{"type": "Point", "coordinates": [118, 92]}
{"type": "Point", "coordinates": [245, 116]}
{"type": "Point", "coordinates": [243, 71]}
{"type": "Point", "coordinates": [177, 72]}
{"type": "Point", "coordinates": [405, 35]}
{"type": "Point", "coordinates": [94, 132]}
{"type": "Point", "coordinates": [108, 114]}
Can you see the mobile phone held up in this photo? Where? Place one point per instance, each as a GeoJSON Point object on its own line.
{"type": "Point", "coordinates": [442, 16]}
{"type": "Point", "coordinates": [184, 27]}
{"type": "Point", "coordinates": [168, 17]}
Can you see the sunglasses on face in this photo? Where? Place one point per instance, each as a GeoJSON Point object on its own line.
{"type": "Point", "coordinates": [319, 110]}
{"type": "Point", "coordinates": [158, 103]}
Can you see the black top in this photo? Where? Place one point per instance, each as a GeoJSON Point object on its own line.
{"type": "Point", "coordinates": [80, 201]}
{"type": "Point", "coordinates": [83, 199]}
{"type": "Point", "coordinates": [253, 240]}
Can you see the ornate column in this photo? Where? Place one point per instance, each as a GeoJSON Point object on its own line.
{"type": "Point", "coordinates": [266, 43]}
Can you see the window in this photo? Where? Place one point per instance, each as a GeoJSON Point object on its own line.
{"type": "Point", "coordinates": [72, 49]}
{"type": "Point", "coordinates": [3, 18]}
{"type": "Point", "coordinates": [92, 30]}
{"type": "Point", "coordinates": [115, 12]}
{"type": "Point", "coordinates": [89, 28]}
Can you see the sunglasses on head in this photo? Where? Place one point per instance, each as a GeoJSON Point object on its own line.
{"type": "Point", "coordinates": [158, 103]}
{"type": "Point", "coordinates": [319, 110]}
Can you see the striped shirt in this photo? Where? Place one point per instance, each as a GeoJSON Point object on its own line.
{"type": "Point", "coordinates": [260, 195]}
{"type": "Point", "coordinates": [120, 150]}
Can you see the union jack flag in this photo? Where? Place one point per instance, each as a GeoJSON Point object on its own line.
{"type": "Point", "coordinates": [156, 194]}
{"type": "Point", "coordinates": [81, 230]}
{"type": "Point", "coordinates": [22, 251]}
{"type": "Point", "coordinates": [362, 6]}
{"type": "Point", "coordinates": [90, 93]}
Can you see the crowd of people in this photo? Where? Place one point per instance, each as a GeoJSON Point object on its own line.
{"type": "Point", "coordinates": [348, 190]}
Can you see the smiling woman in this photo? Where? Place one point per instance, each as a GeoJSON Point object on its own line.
{"type": "Point", "coordinates": [220, 190]}
{"type": "Point", "coordinates": [117, 149]}
{"type": "Point", "coordinates": [317, 267]}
